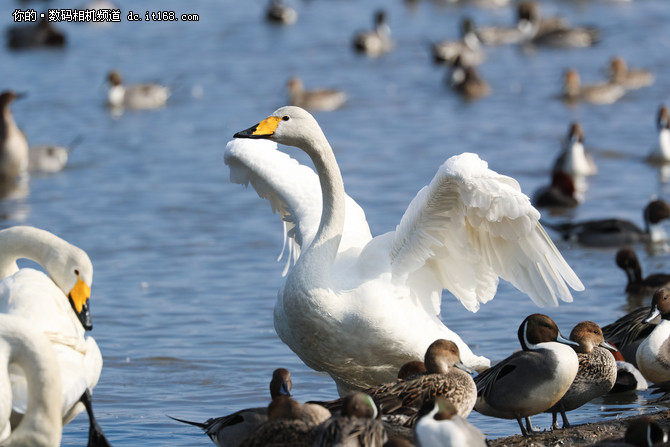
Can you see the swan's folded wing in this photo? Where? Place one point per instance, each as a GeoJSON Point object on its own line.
{"type": "Point", "coordinates": [471, 226]}
{"type": "Point", "coordinates": [293, 190]}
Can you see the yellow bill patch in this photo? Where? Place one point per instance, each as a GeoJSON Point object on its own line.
{"type": "Point", "coordinates": [80, 294]}
{"type": "Point", "coordinates": [267, 126]}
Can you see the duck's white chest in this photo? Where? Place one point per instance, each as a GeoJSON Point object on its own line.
{"type": "Point", "coordinates": [653, 354]}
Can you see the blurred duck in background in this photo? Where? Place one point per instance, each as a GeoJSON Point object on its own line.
{"type": "Point", "coordinates": [138, 96]}
{"type": "Point", "coordinates": [13, 143]}
{"type": "Point", "coordinates": [40, 34]}
{"type": "Point", "coordinates": [466, 81]}
{"type": "Point", "coordinates": [280, 13]}
{"type": "Point", "coordinates": [377, 41]}
{"type": "Point", "coordinates": [602, 93]}
{"type": "Point", "coordinates": [321, 99]}
{"type": "Point", "coordinates": [630, 78]}
{"type": "Point", "coordinates": [468, 47]}
{"type": "Point", "coordinates": [574, 159]}
{"type": "Point", "coordinates": [661, 152]}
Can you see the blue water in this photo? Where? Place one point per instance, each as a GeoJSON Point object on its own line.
{"type": "Point", "coordinates": [185, 271]}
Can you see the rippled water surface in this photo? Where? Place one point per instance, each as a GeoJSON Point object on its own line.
{"type": "Point", "coordinates": [185, 270]}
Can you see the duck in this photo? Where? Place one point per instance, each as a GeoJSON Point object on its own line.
{"type": "Point", "coordinates": [138, 96]}
{"type": "Point", "coordinates": [561, 193]}
{"type": "Point", "coordinates": [288, 423]}
{"type": "Point", "coordinates": [661, 153]}
{"type": "Point", "coordinates": [358, 424]}
{"type": "Point", "coordinates": [280, 13]}
{"type": "Point", "coordinates": [530, 381]}
{"type": "Point", "coordinates": [566, 36]}
{"type": "Point", "coordinates": [602, 93]}
{"type": "Point", "coordinates": [653, 354]}
{"type": "Point", "coordinates": [466, 81]}
{"type": "Point", "coordinates": [630, 78]}
{"type": "Point", "coordinates": [628, 331]}
{"type": "Point", "coordinates": [13, 143]}
{"type": "Point", "coordinates": [28, 348]}
{"type": "Point", "coordinates": [411, 369]}
{"type": "Point", "coordinates": [440, 425]}
{"type": "Point", "coordinates": [645, 431]}
{"type": "Point", "coordinates": [521, 32]}
{"type": "Point", "coordinates": [597, 371]}
{"type": "Point", "coordinates": [628, 378]}
{"type": "Point", "coordinates": [233, 429]}
{"type": "Point", "coordinates": [41, 34]}
{"type": "Point", "coordinates": [574, 159]}
{"type": "Point", "coordinates": [321, 99]}
{"type": "Point", "coordinates": [376, 42]}
{"type": "Point", "coordinates": [351, 304]}
{"type": "Point", "coordinates": [627, 260]}
{"type": "Point", "coordinates": [468, 47]}
{"type": "Point", "coordinates": [57, 304]}
{"type": "Point", "coordinates": [615, 232]}
{"type": "Point", "coordinates": [46, 158]}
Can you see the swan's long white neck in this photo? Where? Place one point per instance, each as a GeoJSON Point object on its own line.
{"type": "Point", "coordinates": [41, 425]}
{"type": "Point", "coordinates": [13, 246]}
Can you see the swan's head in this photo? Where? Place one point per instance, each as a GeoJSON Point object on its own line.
{"type": "Point", "coordinates": [291, 126]}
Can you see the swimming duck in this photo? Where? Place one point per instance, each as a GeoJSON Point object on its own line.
{"type": "Point", "coordinates": [466, 81]}
{"type": "Point", "coordinates": [13, 143]}
{"type": "Point", "coordinates": [522, 31]}
{"type": "Point", "coordinates": [57, 305]}
{"type": "Point", "coordinates": [597, 371]}
{"type": "Point", "coordinates": [468, 47]}
{"type": "Point", "coordinates": [24, 347]}
{"type": "Point", "coordinates": [661, 153]}
{"type": "Point", "coordinates": [627, 261]}
{"type": "Point", "coordinates": [560, 194]}
{"type": "Point", "coordinates": [139, 96]}
{"type": "Point", "coordinates": [358, 424]}
{"type": "Point", "coordinates": [40, 34]}
{"type": "Point", "coordinates": [603, 93]}
{"type": "Point", "coordinates": [349, 295]}
{"type": "Point", "coordinates": [566, 36]}
{"type": "Point", "coordinates": [280, 13]}
{"type": "Point", "coordinates": [322, 99]}
{"type": "Point", "coordinates": [440, 425]}
{"type": "Point", "coordinates": [630, 78]}
{"type": "Point", "coordinates": [376, 42]}
{"type": "Point", "coordinates": [653, 354]}
{"type": "Point", "coordinates": [617, 232]}
{"type": "Point", "coordinates": [530, 381]}
{"type": "Point", "coordinates": [234, 428]}
{"type": "Point", "coordinates": [574, 159]}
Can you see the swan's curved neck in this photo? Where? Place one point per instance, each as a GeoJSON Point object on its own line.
{"type": "Point", "coordinates": [21, 242]}
{"type": "Point", "coordinates": [42, 423]}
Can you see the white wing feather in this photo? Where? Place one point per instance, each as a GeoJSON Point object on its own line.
{"type": "Point", "coordinates": [472, 225]}
{"type": "Point", "coordinates": [294, 191]}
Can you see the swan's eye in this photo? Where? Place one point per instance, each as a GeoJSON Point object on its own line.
{"type": "Point", "coordinates": [76, 272]}
{"type": "Point", "coordinates": [285, 118]}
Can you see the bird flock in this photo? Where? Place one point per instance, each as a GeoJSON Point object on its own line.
{"type": "Point", "coordinates": [366, 310]}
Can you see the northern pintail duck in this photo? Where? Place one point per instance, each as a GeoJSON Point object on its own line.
{"type": "Point", "coordinates": [288, 423]}
{"type": "Point", "coordinates": [280, 13]}
{"type": "Point", "coordinates": [630, 78]}
{"type": "Point", "coordinates": [645, 431]}
{"type": "Point", "coordinates": [138, 96]}
{"type": "Point", "coordinates": [377, 41]}
{"type": "Point", "coordinates": [321, 99]}
{"type": "Point", "coordinates": [628, 331]}
{"type": "Point", "coordinates": [234, 428]}
{"type": "Point", "coordinates": [617, 232]}
{"type": "Point", "coordinates": [466, 81]}
{"type": "Point", "coordinates": [13, 143]}
{"type": "Point", "coordinates": [411, 369]}
{"type": "Point", "coordinates": [661, 153]}
{"type": "Point", "coordinates": [565, 36]}
{"type": "Point", "coordinates": [574, 159]}
{"type": "Point", "coordinates": [47, 159]}
{"type": "Point", "coordinates": [530, 381]}
{"type": "Point", "coordinates": [561, 193]}
{"type": "Point", "coordinates": [597, 371]}
{"type": "Point", "coordinates": [627, 260]}
{"type": "Point", "coordinates": [468, 47]}
{"type": "Point", "coordinates": [362, 294]}
{"type": "Point", "coordinates": [440, 425]}
{"type": "Point", "coordinates": [40, 34]}
{"type": "Point", "coordinates": [603, 93]}
{"type": "Point", "coordinates": [653, 354]}
{"type": "Point", "coordinates": [358, 424]}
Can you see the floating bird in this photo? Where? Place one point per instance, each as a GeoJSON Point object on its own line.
{"type": "Point", "coordinates": [468, 48]}
{"type": "Point", "coordinates": [603, 93]}
{"type": "Point", "coordinates": [49, 159]}
{"type": "Point", "coordinates": [522, 31]}
{"type": "Point", "coordinates": [358, 424]}
{"type": "Point", "coordinates": [40, 34]}
{"type": "Point", "coordinates": [57, 305]}
{"type": "Point", "coordinates": [630, 78]}
{"type": "Point", "coordinates": [597, 371]}
{"type": "Point", "coordinates": [653, 354]}
{"type": "Point", "coordinates": [466, 81]}
{"type": "Point", "coordinates": [574, 159]}
{"type": "Point", "coordinates": [30, 350]}
{"type": "Point", "coordinates": [561, 193]}
{"type": "Point", "coordinates": [617, 232]}
{"type": "Point", "coordinates": [280, 13]}
{"type": "Point", "coordinates": [351, 304]}
{"type": "Point", "coordinates": [627, 332]}
{"type": "Point", "coordinates": [627, 261]}
{"type": "Point", "coordinates": [645, 431]}
{"type": "Point", "coordinates": [376, 42]}
{"type": "Point", "coordinates": [440, 425]}
{"type": "Point", "coordinates": [530, 381]}
{"type": "Point", "coordinates": [661, 153]}
{"type": "Point", "coordinates": [322, 99]}
{"type": "Point", "coordinates": [13, 143]}
{"type": "Point", "coordinates": [138, 96]}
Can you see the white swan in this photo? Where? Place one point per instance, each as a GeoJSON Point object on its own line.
{"type": "Point", "coordinates": [58, 306]}
{"type": "Point", "coordinates": [30, 350]}
{"type": "Point", "coordinates": [359, 307]}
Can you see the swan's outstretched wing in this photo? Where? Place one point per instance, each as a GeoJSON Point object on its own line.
{"type": "Point", "coordinates": [472, 225]}
{"type": "Point", "coordinates": [293, 190]}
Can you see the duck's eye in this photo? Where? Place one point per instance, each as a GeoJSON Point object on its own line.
{"type": "Point", "coordinates": [285, 118]}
